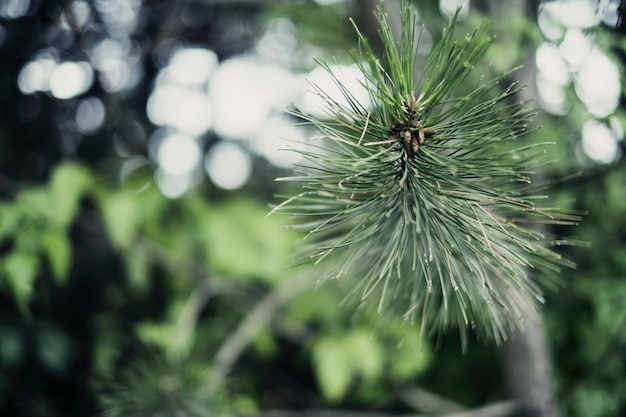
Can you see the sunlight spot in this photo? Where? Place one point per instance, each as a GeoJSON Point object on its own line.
{"type": "Point", "coordinates": [173, 186]}
{"type": "Point", "coordinates": [187, 110]}
{"type": "Point", "coordinates": [449, 7]}
{"type": "Point", "coordinates": [551, 65]}
{"type": "Point", "coordinates": [80, 13]}
{"type": "Point", "coordinates": [552, 96]}
{"type": "Point", "coordinates": [575, 48]}
{"type": "Point", "coordinates": [278, 43]}
{"type": "Point", "coordinates": [228, 166]}
{"type": "Point", "coordinates": [597, 84]}
{"type": "Point", "coordinates": [118, 64]}
{"type": "Point", "coordinates": [14, 9]}
{"type": "Point", "coordinates": [70, 79]}
{"type": "Point", "coordinates": [598, 142]}
{"type": "Point", "coordinates": [609, 12]}
{"type": "Point", "coordinates": [35, 75]}
{"type": "Point", "coordinates": [350, 76]}
{"type": "Point", "coordinates": [248, 91]}
{"type": "Point", "coordinates": [572, 13]}
{"type": "Point", "coordinates": [277, 139]}
{"type": "Point", "coordinates": [119, 16]}
{"type": "Point", "coordinates": [551, 29]}
{"type": "Point", "coordinates": [90, 115]}
{"type": "Point", "coordinates": [192, 66]}
{"type": "Point", "coordinates": [178, 154]}
{"type": "Point", "coordinates": [119, 74]}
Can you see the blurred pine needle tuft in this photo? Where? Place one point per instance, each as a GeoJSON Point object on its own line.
{"type": "Point", "coordinates": [424, 200]}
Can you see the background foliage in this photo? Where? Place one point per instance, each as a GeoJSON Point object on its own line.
{"type": "Point", "coordinates": [116, 298]}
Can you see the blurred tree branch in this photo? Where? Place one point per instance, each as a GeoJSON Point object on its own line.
{"type": "Point", "coordinates": [420, 399]}
{"type": "Point", "coordinates": [526, 357]}
{"type": "Point", "coordinates": [502, 409]}
{"type": "Point", "coordinates": [258, 317]}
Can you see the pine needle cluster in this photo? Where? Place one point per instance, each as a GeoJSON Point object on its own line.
{"type": "Point", "coordinates": [424, 198]}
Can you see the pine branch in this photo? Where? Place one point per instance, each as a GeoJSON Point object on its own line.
{"type": "Point", "coordinates": [423, 199]}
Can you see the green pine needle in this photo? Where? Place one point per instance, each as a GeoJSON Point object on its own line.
{"type": "Point", "coordinates": [422, 200]}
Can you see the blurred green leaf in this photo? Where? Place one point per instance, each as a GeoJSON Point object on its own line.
{"type": "Point", "coordinates": [366, 352]}
{"type": "Point", "coordinates": [342, 360]}
{"type": "Point", "coordinates": [265, 344]}
{"type": "Point", "coordinates": [332, 368]}
{"type": "Point", "coordinates": [242, 242]}
{"type": "Point", "coordinates": [121, 214]}
{"type": "Point", "coordinates": [138, 268]}
{"type": "Point", "coordinates": [21, 268]}
{"type": "Point", "coordinates": [9, 220]}
{"type": "Point", "coordinates": [313, 305]}
{"type": "Point", "coordinates": [34, 208]}
{"type": "Point", "coordinates": [67, 186]}
{"type": "Point", "coordinates": [594, 402]}
{"type": "Point", "coordinates": [156, 334]}
{"type": "Point", "coordinates": [410, 357]}
{"type": "Point", "coordinates": [56, 246]}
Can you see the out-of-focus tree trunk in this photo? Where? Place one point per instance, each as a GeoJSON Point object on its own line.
{"type": "Point", "coordinates": [526, 359]}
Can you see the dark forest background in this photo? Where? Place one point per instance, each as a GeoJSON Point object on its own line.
{"type": "Point", "coordinates": [140, 276]}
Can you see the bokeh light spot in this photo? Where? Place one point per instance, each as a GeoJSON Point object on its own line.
{"type": "Point", "coordinates": [572, 13]}
{"type": "Point", "coordinates": [178, 154]}
{"type": "Point", "coordinates": [277, 140]}
{"type": "Point", "coordinates": [350, 76]}
{"type": "Point", "coordinates": [228, 166]}
{"type": "Point", "coordinates": [119, 16]}
{"type": "Point", "coordinates": [449, 7]}
{"type": "Point", "coordinates": [598, 84]}
{"type": "Point", "coordinates": [552, 96]}
{"type": "Point", "coordinates": [609, 12]}
{"type": "Point", "coordinates": [80, 14]}
{"type": "Point", "coordinates": [35, 75]}
{"type": "Point", "coordinates": [173, 186]}
{"type": "Point", "coordinates": [278, 43]}
{"type": "Point", "coordinates": [70, 79]}
{"type": "Point", "coordinates": [550, 28]}
{"type": "Point", "coordinates": [192, 66]}
{"type": "Point", "coordinates": [90, 115]}
{"type": "Point", "coordinates": [248, 91]}
{"type": "Point", "coordinates": [551, 65]}
{"type": "Point", "coordinates": [187, 110]}
{"type": "Point", "coordinates": [575, 47]}
{"type": "Point", "coordinates": [117, 63]}
{"type": "Point", "coordinates": [598, 142]}
{"type": "Point", "coordinates": [14, 9]}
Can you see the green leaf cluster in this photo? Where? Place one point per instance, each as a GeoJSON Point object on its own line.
{"type": "Point", "coordinates": [35, 228]}
{"type": "Point", "coordinates": [364, 361]}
